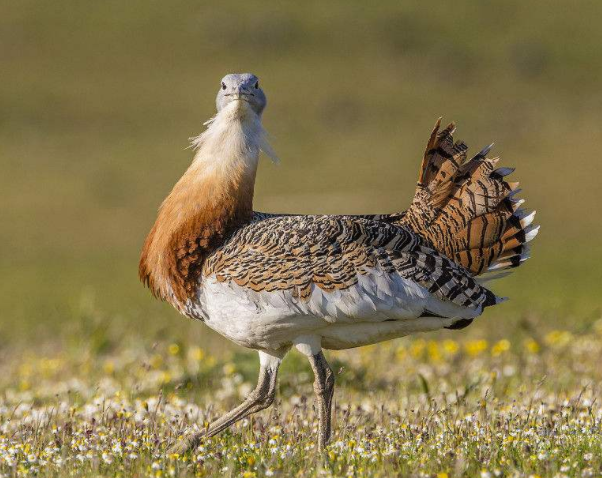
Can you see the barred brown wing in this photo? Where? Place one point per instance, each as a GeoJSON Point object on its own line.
{"type": "Point", "coordinates": [297, 252]}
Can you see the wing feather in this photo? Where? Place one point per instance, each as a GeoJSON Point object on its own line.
{"type": "Point", "coordinates": [295, 253]}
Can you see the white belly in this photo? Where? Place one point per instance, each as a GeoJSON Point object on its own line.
{"type": "Point", "coordinates": [379, 307]}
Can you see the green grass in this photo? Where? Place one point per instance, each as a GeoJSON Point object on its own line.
{"type": "Point", "coordinates": [440, 406]}
{"type": "Point", "coordinates": [97, 102]}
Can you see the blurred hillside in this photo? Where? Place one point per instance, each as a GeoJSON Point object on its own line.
{"type": "Point", "coordinates": [97, 100]}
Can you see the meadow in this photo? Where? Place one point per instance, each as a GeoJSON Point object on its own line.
{"type": "Point", "coordinates": [97, 102]}
{"type": "Point", "coordinates": [435, 407]}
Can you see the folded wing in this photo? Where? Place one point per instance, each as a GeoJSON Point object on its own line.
{"type": "Point", "coordinates": [302, 253]}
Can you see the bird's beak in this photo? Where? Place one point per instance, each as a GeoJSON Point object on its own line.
{"type": "Point", "coordinates": [241, 94]}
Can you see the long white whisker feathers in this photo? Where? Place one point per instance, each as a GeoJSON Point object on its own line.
{"type": "Point", "coordinates": [222, 120]}
{"type": "Point", "coordinates": [266, 147]}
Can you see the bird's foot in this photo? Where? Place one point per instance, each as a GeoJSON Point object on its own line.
{"type": "Point", "coordinates": [185, 443]}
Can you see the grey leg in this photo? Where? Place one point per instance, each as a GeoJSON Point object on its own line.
{"type": "Point", "coordinates": [260, 398]}
{"type": "Point", "coordinates": [324, 388]}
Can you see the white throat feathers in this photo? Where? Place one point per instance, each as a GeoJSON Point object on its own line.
{"type": "Point", "coordinates": [235, 133]}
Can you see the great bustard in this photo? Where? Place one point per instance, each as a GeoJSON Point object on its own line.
{"type": "Point", "coordinates": [271, 282]}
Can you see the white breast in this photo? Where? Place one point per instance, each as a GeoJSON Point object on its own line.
{"type": "Point", "coordinates": [379, 307]}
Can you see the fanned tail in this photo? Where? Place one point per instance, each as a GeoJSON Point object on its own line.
{"type": "Point", "coordinates": [467, 210]}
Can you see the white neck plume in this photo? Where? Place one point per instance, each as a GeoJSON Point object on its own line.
{"type": "Point", "coordinates": [233, 135]}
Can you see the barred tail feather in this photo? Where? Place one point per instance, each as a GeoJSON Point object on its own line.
{"type": "Point", "coordinates": [467, 210]}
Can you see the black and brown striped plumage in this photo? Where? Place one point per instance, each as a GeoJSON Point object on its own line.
{"type": "Point", "coordinates": [298, 252]}
{"type": "Point", "coordinates": [464, 212]}
{"type": "Point", "coordinates": [466, 209]}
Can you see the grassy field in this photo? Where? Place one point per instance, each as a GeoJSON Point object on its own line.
{"type": "Point", "coordinates": [97, 101]}
{"type": "Point", "coordinates": [436, 407]}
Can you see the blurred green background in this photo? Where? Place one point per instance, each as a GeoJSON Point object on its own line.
{"type": "Point", "coordinates": [98, 99]}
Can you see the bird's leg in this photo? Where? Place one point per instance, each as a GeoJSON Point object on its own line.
{"type": "Point", "coordinates": [260, 398]}
{"type": "Point", "coordinates": [324, 388]}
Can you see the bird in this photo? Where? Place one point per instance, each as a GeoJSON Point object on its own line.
{"type": "Point", "coordinates": [275, 282]}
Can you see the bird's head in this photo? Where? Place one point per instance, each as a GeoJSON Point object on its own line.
{"type": "Point", "coordinates": [242, 88]}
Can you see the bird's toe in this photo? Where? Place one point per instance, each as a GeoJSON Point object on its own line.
{"type": "Point", "coordinates": [185, 443]}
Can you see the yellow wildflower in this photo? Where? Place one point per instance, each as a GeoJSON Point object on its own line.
{"type": "Point", "coordinates": [197, 353]}
{"type": "Point", "coordinates": [417, 348]}
{"type": "Point", "coordinates": [210, 361]}
{"type": "Point", "coordinates": [476, 347]}
{"type": "Point", "coordinates": [532, 346]}
{"type": "Point", "coordinates": [156, 361]}
{"type": "Point", "coordinates": [450, 347]}
{"type": "Point", "coordinates": [433, 351]}
{"type": "Point", "coordinates": [558, 338]}
{"type": "Point", "coordinates": [500, 347]}
{"type": "Point", "coordinates": [165, 377]}
{"type": "Point", "coordinates": [229, 368]}
{"type": "Point", "coordinates": [108, 367]}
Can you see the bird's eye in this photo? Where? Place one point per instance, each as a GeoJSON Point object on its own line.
{"type": "Point", "coordinates": [256, 84]}
{"type": "Point", "coordinates": [223, 85]}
